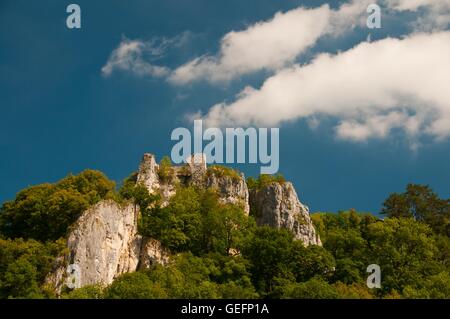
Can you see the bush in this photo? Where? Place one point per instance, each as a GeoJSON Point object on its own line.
{"type": "Point", "coordinates": [222, 171]}
{"type": "Point", "coordinates": [24, 265]}
{"type": "Point", "coordinates": [264, 180]}
{"type": "Point", "coordinates": [135, 285]}
{"type": "Point", "coordinates": [86, 292]}
{"type": "Point", "coordinates": [165, 171]}
{"type": "Point", "coordinates": [314, 288]}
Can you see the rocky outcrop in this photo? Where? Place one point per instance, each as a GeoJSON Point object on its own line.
{"type": "Point", "coordinates": [152, 253]}
{"type": "Point", "coordinates": [231, 190]}
{"type": "Point", "coordinates": [104, 244]}
{"type": "Point", "coordinates": [277, 205]}
{"type": "Point", "coordinates": [148, 173]}
{"type": "Point", "coordinates": [149, 177]}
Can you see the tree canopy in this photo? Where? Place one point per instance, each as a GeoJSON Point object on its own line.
{"type": "Point", "coordinates": [219, 252]}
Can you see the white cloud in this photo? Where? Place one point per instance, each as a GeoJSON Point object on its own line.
{"type": "Point", "coordinates": [271, 45]}
{"type": "Point", "coordinates": [129, 56]}
{"type": "Point", "coordinates": [267, 45]}
{"type": "Point", "coordinates": [413, 5]}
{"type": "Point", "coordinates": [435, 15]}
{"type": "Point", "coordinates": [371, 89]}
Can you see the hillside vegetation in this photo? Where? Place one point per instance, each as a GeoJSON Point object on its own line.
{"type": "Point", "coordinates": [219, 252]}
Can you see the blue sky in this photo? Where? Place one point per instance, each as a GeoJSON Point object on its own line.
{"type": "Point", "coordinates": [60, 114]}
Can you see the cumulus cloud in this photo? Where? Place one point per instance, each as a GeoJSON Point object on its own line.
{"type": "Point", "coordinates": [267, 45]}
{"type": "Point", "coordinates": [271, 45]}
{"type": "Point", "coordinates": [370, 89]}
{"type": "Point", "coordinates": [129, 56]}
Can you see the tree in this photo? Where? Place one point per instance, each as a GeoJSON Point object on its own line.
{"type": "Point", "coordinates": [315, 288]}
{"type": "Point", "coordinates": [44, 212]}
{"type": "Point", "coordinates": [224, 228]}
{"type": "Point", "coordinates": [269, 251]}
{"type": "Point", "coordinates": [24, 265]}
{"type": "Point", "coordinates": [86, 292]}
{"type": "Point", "coordinates": [421, 203]}
{"type": "Point", "coordinates": [311, 261]}
{"type": "Point", "coordinates": [405, 250]}
{"type": "Point", "coordinates": [135, 285]}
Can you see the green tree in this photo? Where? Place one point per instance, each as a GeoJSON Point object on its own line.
{"type": "Point", "coordinates": [86, 292]}
{"type": "Point", "coordinates": [405, 250]}
{"type": "Point", "coordinates": [421, 203]}
{"type": "Point", "coordinates": [269, 251]}
{"type": "Point", "coordinates": [315, 288]}
{"type": "Point", "coordinates": [44, 212]}
{"type": "Point", "coordinates": [135, 285]}
{"type": "Point", "coordinates": [24, 266]}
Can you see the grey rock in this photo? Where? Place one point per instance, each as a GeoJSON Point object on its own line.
{"type": "Point", "coordinates": [148, 173]}
{"type": "Point", "coordinates": [277, 205]}
{"type": "Point", "coordinates": [103, 244]}
{"type": "Point", "coordinates": [231, 190]}
{"type": "Point", "coordinates": [152, 253]}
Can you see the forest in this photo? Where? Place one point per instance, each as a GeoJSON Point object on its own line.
{"type": "Point", "coordinates": [408, 238]}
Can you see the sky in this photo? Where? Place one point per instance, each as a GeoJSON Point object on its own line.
{"type": "Point", "coordinates": [361, 112]}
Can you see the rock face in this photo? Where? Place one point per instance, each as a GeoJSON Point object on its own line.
{"type": "Point", "coordinates": [148, 173]}
{"type": "Point", "coordinates": [277, 205]}
{"type": "Point", "coordinates": [104, 244]}
{"type": "Point", "coordinates": [231, 190]}
{"type": "Point", "coordinates": [194, 172]}
{"type": "Point", "coordinates": [152, 253]}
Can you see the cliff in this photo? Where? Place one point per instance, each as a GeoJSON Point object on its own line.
{"type": "Point", "coordinates": [277, 205]}
{"type": "Point", "coordinates": [104, 243]}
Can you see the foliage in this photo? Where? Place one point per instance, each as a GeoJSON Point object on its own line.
{"type": "Point", "coordinates": [195, 220]}
{"type": "Point", "coordinates": [264, 180]}
{"type": "Point", "coordinates": [219, 252]}
{"type": "Point", "coordinates": [408, 251]}
{"type": "Point", "coordinates": [86, 292]}
{"type": "Point", "coordinates": [134, 286]}
{"type": "Point", "coordinates": [213, 276]}
{"type": "Point", "coordinates": [274, 254]}
{"type": "Point", "coordinates": [315, 288]}
{"type": "Point", "coordinates": [127, 189]}
{"type": "Point", "coordinates": [165, 171]}
{"type": "Point", "coordinates": [422, 204]}
{"type": "Point", "coordinates": [221, 171]}
{"type": "Point", "coordinates": [24, 265]}
{"type": "Point", "coordinates": [44, 212]}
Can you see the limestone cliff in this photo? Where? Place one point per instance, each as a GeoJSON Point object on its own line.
{"type": "Point", "coordinates": [104, 243]}
{"type": "Point", "coordinates": [277, 205]}
{"type": "Point", "coordinates": [231, 190]}
{"type": "Point", "coordinates": [152, 253]}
